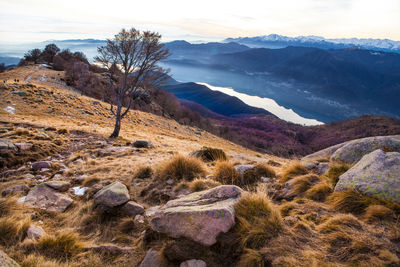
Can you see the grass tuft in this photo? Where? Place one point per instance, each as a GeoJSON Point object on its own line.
{"type": "Point", "coordinates": [378, 212]}
{"type": "Point", "coordinates": [335, 171]}
{"type": "Point", "coordinates": [202, 184]}
{"type": "Point", "coordinates": [225, 173]}
{"type": "Point", "coordinates": [144, 172]}
{"type": "Point", "coordinates": [251, 258]}
{"type": "Point", "coordinates": [62, 246]}
{"type": "Point", "coordinates": [181, 168]}
{"type": "Point", "coordinates": [12, 230]}
{"type": "Point", "coordinates": [293, 170]}
{"type": "Point", "coordinates": [302, 183]}
{"type": "Point", "coordinates": [209, 154]}
{"type": "Point", "coordinates": [319, 192]}
{"type": "Point", "coordinates": [257, 220]}
{"type": "Point", "coordinates": [338, 222]}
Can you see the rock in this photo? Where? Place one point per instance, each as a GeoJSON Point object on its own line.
{"type": "Point", "coordinates": [109, 249]}
{"type": "Point", "coordinates": [324, 153]}
{"type": "Point", "coordinates": [322, 168]}
{"type": "Point", "coordinates": [29, 176]}
{"type": "Point", "coordinates": [41, 165]}
{"type": "Point", "coordinates": [376, 174]}
{"type": "Point", "coordinates": [23, 146]}
{"type": "Point", "coordinates": [210, 176]}
{"type": "Point", "coordinates": [6, 261]}
{"type": "Point", "coordinates": [19, 93]}
{"type": "Point", "coordinates": [265, 179]}
{"type": "Point", "coordinates": [200, 216]}
{"type": "Point", "coordinates": [354, 150]}
{"type": "Point", "coordinates": [131, 208]}
{"type": "Point", "coordinates": [47, 198]}
{"type": "Point", "coordinates": [139, 218]}
{"type": "Point", "coordinates": [193, 263]}
{"type": "Point", "coordinates": [42, 136]}
{"type": "Point", "coordinates": [311, 165]}
{"type": "Point", "coordinates": [151, 211]}
{"type": "Point", "coordinates": [141, 144]}
{"type": "Point", "coordinates": [242, 168]}
{"type": "Point", "coordinates": [170, 181]}
{"type": "Point", "coordinates": [6, 144]}
{"type": "Point", "coordinates": [112, 195]}
{"type": "Point", "coordinates": [61, 186]}
{"type": "Point", "coordinates": [14, 189]}
{"type": "Point", "coordinates": [8, 173]}
{"type": "Point", "coordinates": [153, 258]}
{"type": "Point", "coordinates": [273, 163]}
{"type": "Point", "coordinates": [35, 232]}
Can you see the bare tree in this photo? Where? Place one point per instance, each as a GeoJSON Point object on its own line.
{"type": "Point", "coordinates": [131, 59]}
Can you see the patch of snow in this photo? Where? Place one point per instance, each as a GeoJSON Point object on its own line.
{"type": "Point", "coordinates": [9, 109]}
{"type": "Point", "coordinates": [21, 200]}
{"type": "Point", "coordinates": [79, 191]}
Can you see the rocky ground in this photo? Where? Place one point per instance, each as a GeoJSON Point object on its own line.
{"type": "Point", "coordinates": [70, 196]}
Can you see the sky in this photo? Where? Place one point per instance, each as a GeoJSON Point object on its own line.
{"type": "Point", "coordinates": [205, 20]}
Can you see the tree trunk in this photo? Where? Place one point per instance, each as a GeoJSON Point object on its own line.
{"type": "Point", "coordinates": [118, 118]}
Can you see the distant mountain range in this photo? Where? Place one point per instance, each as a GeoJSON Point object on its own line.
{"type": "Point", "coordinates": [280, 41]}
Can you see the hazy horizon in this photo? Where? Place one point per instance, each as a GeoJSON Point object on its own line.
{"type": "Point", "coordinates": [25, 21]}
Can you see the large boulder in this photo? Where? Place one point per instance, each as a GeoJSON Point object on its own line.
{"type": "Point", "coordinates": [112, 195]}
{"type": "Point", "coordinates": [47, 198]}
{"type": "Point", "coordinates": [354, 150]}
{"type": "Point", "coordinates": [327, 152]}
{"type": "Point", "coordinates": [6, 261]}
{"type": "Point", "coordinates": [376, 174]}
{"type": "Point", "coordinates": [200, 216]}
{"type": "Point", "coordinates": [131, 208]}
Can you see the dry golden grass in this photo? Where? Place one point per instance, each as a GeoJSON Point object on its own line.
{"type": "Point", "coordinates": [335, 171]}
{"type": "Point", "coordinates": [209, 154]}
{"type": "Point", "coordinates": [378, 212]}
{"type": "Point", "coordinates": [258, 220]}
{"type": "Point", "coordinates": [8, 206]}
{"type": "Point", "coordinates": [202, 184]}
{"type": "Point", "coordinates": [293, 170]}
{"type": "Point", "coordinates": [301, 184]}
{"type": "Point", "coordinates": [225, 173]}
{"type": "Point", "coordinates": [181, 168]}
{"type": "Point", "coordinates": [338, 222]}
{"type": "Point", "coordinates": [13, 230]}
{"type": "Point", "coordinates": [251, 258]}
{"type": "Point", "coordinates": [144, 172]}
{"type": "Point", "coordinates": [319, 192]}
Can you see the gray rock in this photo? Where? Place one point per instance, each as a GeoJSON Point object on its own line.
{"type": "Point", "coordinates": [141, 144]}
{"type": "Point", "coordinates": [23, 146]}
{"type": "Point", "coordinates": [153, 258]}
{"type": "Point", "coordinates": [114, 149]}
{"type": "Point", "coordinates": [61, 186]}
{"type": "Point", "coordinates": [193, 263]}
{"type": "Point", "coordinates": [112, 195]}
{"type": "Point", "coordinates": [311, 165]}
{"type": "Point", "coordinates": [131, 208]}
{"type": "Point", "coordinates": [6, 261]}
{"type": "Point", "coordinates": [354, 150]}
{"type": "Point", "coordinates": [44, 197]}
{"type": "Point", "coordinates": [15, 189]}
{"type": "Point", "coordinates": [242, 168]}
{"type": "Point", "coordinates": [35, 232]}
{"type": "Point", "coordinates": [200, 216]}
{"type": "Point", "coordinates": [150, 212]}
{"type": "Point", "coordinates": [41, 165]}
{"type": "Point", "coordinates": [6, 144]}
{"type": "Point", "coordinates": [139, 218]}
{"type": "Point", "coordinates": [376, 174]}
{"type": "Point", "coordinates": [322, 168]}
{"type": "Point", "coordinates": [324, 153]}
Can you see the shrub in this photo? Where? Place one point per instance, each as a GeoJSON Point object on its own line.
{"type": "Point", "coordinates": [225, 173]}
{"type": "Point", "coordinates": [62, 131]}
{"type": "Point", "coordinates": [62, 246]}
{"type": "Point", "coordinates": [144, 172]}
{"type": "Point", "coordinates": [202, 184]}
{"type": "Point", "coordinates": [181, 168]}
{"type": "Point", "coordinates": [319, 192]}
{"type": "Point", "coordinates": [338, 222]}
{"type": "Point", "coordinates": [335, 171]}
{"type": "Point", "coordinates": [378, 212]}
{"type": "Point", "coordinates": [253, 175]}
{"type": "Point", "coordinates": [293, 170]}
{"type": "Point", "coordinates": [208, 154]}
{"type": "Point", "coordinates": [257, 220]}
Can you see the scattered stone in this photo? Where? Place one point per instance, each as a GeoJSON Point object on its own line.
{"type": "Point", "coordinates": [153, 258]}
{"type": "Point", "coordinates": [376, 174]}
{"type": "Point", "coordinates": [242, 168]}
{"type": "Point", "coordinates": [61, 186]}
{"type": "Point", "coordinates": [44, 197]}
{"type": "Point", "coordinates": [35, 232]}
{"type": "Point", "coordinates": [8, 173]}
{"type": "Point", "coordinates": [311, 165]}
{"type": "Point", "coordinates": [273, 163]}
{"type": "Point", "coordinates": [29, 176]}
{"type": "Point", "coordinates": [139, 218]}
{"type": "Point", "coordinates": [114, 149]}
{"type": "Point", "coordinates": [19, 93]}
{"type": "Point", "coordinates": [193, 263]}
{"type": "Point", "coordinates": [265, 179]}
{"type": "Point", "coordinates": [112, 195]}
{"type": "Point", "coordinates": [141, 144]}
{"type": "Point", "coordinates": [79, 161]}
{"type": "Point", "coordinates": [23, 146]}
{"type": "Point", "coordinates": [15, 189]}
{"type": "Point", "coordinates": [41, 165]}
{"type": "Point", "coordinates": [200, 216]}
{"type": "Point", "coordinates": [151, 211]}
{"type": "Point", "coordinates": [42, 136]}
{"type": "Point", "coordinates": [131, 208]}
{"type": "Point", "coordinates": [170, 181]}
{"type": "Point", "coordinates": [210, 176]}
{"type": "Point", "coordinates": [6, 144]}
{"type": "Point", "coordinates": [354, 150]}
{"type": "Point", "coordinates": [6, 261]}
